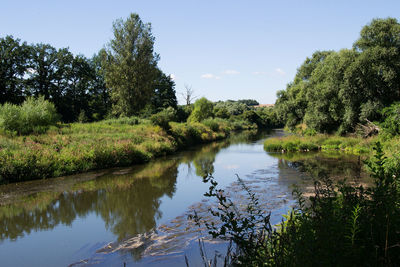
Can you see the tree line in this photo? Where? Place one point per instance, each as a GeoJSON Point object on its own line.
{"type": "Point", "coordinates": [122, 79]}
{"type": "Point", "coordinates": [338, 90]}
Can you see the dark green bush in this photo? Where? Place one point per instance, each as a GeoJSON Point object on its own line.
{"type": "Point", "coordinates": [252, 117]}
{"type": "Point", "coordinates": [183, 113]}
{"type": "Point", "coordinates": [163, 118]}
{"type": "Point", "coordinates": [391, 124]}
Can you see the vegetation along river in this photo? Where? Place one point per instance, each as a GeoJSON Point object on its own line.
{"type": "Point", "coordinates": [138, 215]}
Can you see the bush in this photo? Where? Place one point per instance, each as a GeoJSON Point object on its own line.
{"type": "Point", "coordinates": [213, 124]}
{"type": "Point", "coordinates": [123, 120]}
{"type": "Point", "coordinates": [203, 109]}
{"type": "Point", "coordinates": [391, 124]}
{"type": "Point", "coordinates": [33, 116]}
{"type": "Point", "coordinates": [163, 118]}
{"type": "Point", "coordinates": [183, 113]}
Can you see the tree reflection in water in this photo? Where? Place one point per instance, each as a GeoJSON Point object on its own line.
{"type": "Point", "coordinates": [127, 200]}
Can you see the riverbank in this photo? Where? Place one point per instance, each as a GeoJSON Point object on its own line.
{"type": "Point", "coordinates": [330, 143]}
{"type": "Point", "coordinates": [80, 147]}
{"type": "Point", "coordinates": [320, 142]}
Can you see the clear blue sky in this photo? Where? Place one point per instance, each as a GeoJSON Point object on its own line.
{"type": "Point", "coordinates": [223, 49]}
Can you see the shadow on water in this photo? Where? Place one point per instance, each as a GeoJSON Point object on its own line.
{"type": "Point", "coordinates": [143, 209]}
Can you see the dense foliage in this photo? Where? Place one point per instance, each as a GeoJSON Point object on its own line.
{"type": "Point", "coordinates": [164, 117]}
{"type": "Point", "coordinates": [125, 76]}
{"type": "Point", "coordinates": [334, 91]}
{"type": "Point", "coordinates": [33, 116]}
{"type": "Point", "coordinates": [391, 123]}
{"type": "Point", "coordinates": [203, 109]}
{"type": "Point", "coordinates": [130, 65]}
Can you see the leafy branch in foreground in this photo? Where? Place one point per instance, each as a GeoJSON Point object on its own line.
{"type": "Point", "coordinates": [247, 226]}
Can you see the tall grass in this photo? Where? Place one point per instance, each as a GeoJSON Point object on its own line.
{"type": "Point", "coordinates": [80, 147]}
{"type": "Point", "coordinates": [292, 143]}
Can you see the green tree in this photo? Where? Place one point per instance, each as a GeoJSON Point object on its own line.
{"type": "Point", "coordinates": [325, 107]}
{"type": "Point", "coordinates": [43, 79]}
{"type": "Point", "coordinates": [291, 104]}
{"type": "Point", "coordinates": [130, 65]}
{"type": "Point", "coordinates": [337, 90]}
{"type": "Point", "coordinates": [100, 100]}
{"type": "Point", "coordinates": [13, 65]}
{"type": "Point", "coordinates": [380, 32]}
{"type": "Point", "coordinates": [164, 92]}
{"type": "Point", "coordinates": [203, 109]}
{"type": "Point", "coordinates": [371, 81]}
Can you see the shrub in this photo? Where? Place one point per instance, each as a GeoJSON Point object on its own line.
{"type": "Point", "coordinates": [213, 124]}
{"type": "Point", "coordinates": [123, 120]}
{"type": "Point", "coordinates": [163, 118]}
{"type": "Point", "coordinates": [33, 116]}
{"type": "Point", "coordinates": [391, 124]}
{"type": "Point", "coordinates": [82, 117]}
{"type": "Point", "coordinates": [183, 113]}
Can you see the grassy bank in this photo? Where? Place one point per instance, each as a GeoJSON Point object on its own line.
{"type": "Point", "coordinates": [292, 143]}
{"type": "Point", "coordinates": [81, 147]}
{"type": "Point", "coordinates": [331, 143]}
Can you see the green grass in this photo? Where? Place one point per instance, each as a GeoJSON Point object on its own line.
{"type": "Point", "coordinates": [80, 147]}
{"type": "Point", "coordinates": [293, 143]}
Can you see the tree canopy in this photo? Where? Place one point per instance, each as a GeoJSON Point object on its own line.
{"type": "Point", "coordinates": [130, 65]}
{"type": "Point", "coordinates": [125, 76]}
{"type": "Point", "coordinates": [334, 91]}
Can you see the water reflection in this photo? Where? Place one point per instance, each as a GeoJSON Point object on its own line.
{"type": "Point", "coordinates": [127, 203]}
{"type": "Point", "coordinates": [127, 200]}
{"type": "Point", "coordinates": [336, 165]}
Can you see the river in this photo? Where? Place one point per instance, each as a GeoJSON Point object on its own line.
{"type": "Point", "coordinates": [138, 215]}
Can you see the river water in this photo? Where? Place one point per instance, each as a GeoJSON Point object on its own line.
{"type": "Point", "coordinates": [137, 216]}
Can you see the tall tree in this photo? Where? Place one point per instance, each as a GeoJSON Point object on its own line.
{"type": "Point", "coordinates": [42, 79]}
{"type": "Point", "coordinates": [13, 65]}
{"type": "Point", "coordinates": [100, 102]}
{"type": "Point", "coordinates": [291, 104]}
{"type": "Point", "coordinates": [130, 65]}
{"type": "Point", "coordinates": [380, 32]}
{"type": "Point", "coordinates": [337, 90]}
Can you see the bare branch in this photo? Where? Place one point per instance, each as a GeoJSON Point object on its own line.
{"type": "Point", "coordinates": [188, 95]}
